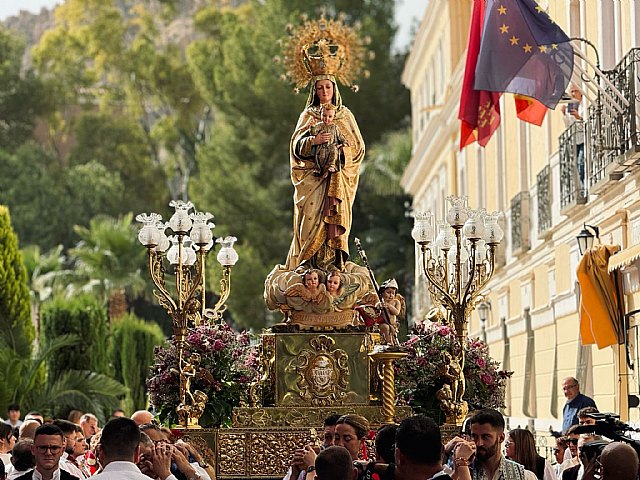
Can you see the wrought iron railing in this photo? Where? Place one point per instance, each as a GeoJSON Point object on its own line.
{"type": "Point", "coordinates": [612, 137]}
{"type": "Point", "coordinates": [544, 199]}
{"type": "Point", "coordinates": [573, 188]}
{"type": "Point", "coordinates": [520, 223]}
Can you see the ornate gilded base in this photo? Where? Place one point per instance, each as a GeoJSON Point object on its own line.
{"type": "Point", "coordinates": [262, 440]}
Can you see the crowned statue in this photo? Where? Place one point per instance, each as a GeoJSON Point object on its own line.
{"type": "Point", "coordinates": [318, 287]}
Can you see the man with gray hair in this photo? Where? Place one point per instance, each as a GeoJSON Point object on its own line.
{"type": "Point", "coordinates": [575, 402]}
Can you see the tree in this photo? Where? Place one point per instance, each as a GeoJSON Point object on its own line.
{"type": "Point", "coordinates": [85, 317]}
{"type": "Point", "coordinates": [21, 95]}
{"type": "Point", "coordinates": [25, 381]}
{"type": "Point", "coordinates": [99, 55]}
{"type": "Point", "coordinates": [109, 261]}
{"type": "Point", "coordinates": [48, 200]}
{"type": "Point", "coordinates": [47, 274]}
{"type": "Point", "coordinates": [15, 315]}
{"type": "Point", "coordinates": [131, 352]}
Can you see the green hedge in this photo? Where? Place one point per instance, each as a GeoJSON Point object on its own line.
{"type": "Point", "coordinates": [131, 352]}
{"type": "Point", "coordinates": [86, 317]}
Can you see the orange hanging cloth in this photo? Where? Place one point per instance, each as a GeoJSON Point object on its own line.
{"type": "Point", "coordinates": [600, 308]}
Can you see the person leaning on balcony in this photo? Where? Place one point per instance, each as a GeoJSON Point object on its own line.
{"type": "Point", "coordinates": [575, 402]}
{"type": "Point", "coordinates": [572, 113]}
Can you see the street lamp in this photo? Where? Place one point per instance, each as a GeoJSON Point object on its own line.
{"type": "Point", "coordinates": [458, 264]}
{"type": "Point", "coordinates": [182, 244]}
{"type": "Point", "coordinates": [483, 313]}
{"type": "Point", "coordinates": [586, 239]}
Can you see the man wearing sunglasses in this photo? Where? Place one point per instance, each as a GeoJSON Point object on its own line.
{"type": "Point", "coordinates": [48, 446]}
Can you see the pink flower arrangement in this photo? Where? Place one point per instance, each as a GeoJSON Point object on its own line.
{"type": "Point", "coordinates": [226, 354]}
{"type": "Point", "coordinates": [417, 380]}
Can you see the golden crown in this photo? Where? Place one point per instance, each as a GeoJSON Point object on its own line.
{"type": "Point", "coordinates": [324, 47]}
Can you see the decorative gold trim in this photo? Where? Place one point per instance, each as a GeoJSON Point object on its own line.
{"type": "Point", "coordinates": [323, 373]}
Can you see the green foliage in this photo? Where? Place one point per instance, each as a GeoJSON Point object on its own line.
{"type": "Point", "coordinates": [25, 381]}
{"type": "Point", "coordinates": [21, 95]}
{"type": "Point", "coordinates": [15, 317]}
{"type": "Point", "coordinates": [131, 353]}
{"type": "Point", "coordinates": [109, 257]}
{"type": "Point", "coordinates": [118, 143]}
{"type": "Point", "coordinates": [380, 219]}
{"type": "Point", "coordinates": [84, 317]}
{"type": "Point", "coordinates": [48, 200]}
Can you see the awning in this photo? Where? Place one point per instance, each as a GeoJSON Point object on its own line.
{"type": "Point", "coordinates": [600, 308]}
{"type": "Point", "coordinates": [624, 258]}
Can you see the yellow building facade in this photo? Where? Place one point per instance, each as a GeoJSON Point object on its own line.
{"type": "Point", "coordinates": [530, 173]}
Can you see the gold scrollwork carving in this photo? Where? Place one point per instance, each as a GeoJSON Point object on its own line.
{"type": "Point", "coordinates": [323, 374]}
{"type": "Point", "coordinates": [231, 454]}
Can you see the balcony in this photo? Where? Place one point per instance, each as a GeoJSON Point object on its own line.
{"type": "Point", "coordinates": [544, 201]}
{"type": "Point", "coordinates": [520, 220]}
{"type": "Point", "coordinates": [573, 189]}
{"type": "Point", "coordinates": [613, 137]}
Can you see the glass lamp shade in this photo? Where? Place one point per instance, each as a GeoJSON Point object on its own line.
{"type": "Point", "coordinates": [227, 256]}
{"type": "Point", "coordinates": [422, 231]}
{"type": "Point", "coordinates": [149, 236]}
{"type": "Point", "coordinates": [481, 252]}
{"type": "Point", "coordinates": [180, 222]}
{"type": "Point", "coordinates": [492, 232]}
{"type": "Point", "coordinates": [585, 240]}
{"type": "Point", "coordinates": [163, 243]}
{"type": "Point", "coordinates": [445, 238]}
{"type": "Point", "coordinates": [458, 213]}
{"type": "Point", "coordinates": [201, 231]}
{"type": "Point", "coordinates": [173, 254]}
{"type": "Point", "coordinates": [190, 255]}
{"type": "Point", "coordinates": [474, 226]}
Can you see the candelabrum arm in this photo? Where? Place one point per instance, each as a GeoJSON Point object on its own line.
{"type": "Point", "coordinates": [164, 296]}
{"type": "Point", "coordinates": [472, 270]}
{"type": "Point", "coordinates": [492, 266]}
{"type": "Point", "coordinates": [225, 290]}
{"type": "Point", "coordinates": [445, 294]}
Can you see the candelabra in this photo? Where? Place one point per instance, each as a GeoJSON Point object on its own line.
{"type": "Point", "coordinates": [458, 264]}
{"type": "Point", "coordinates": [185, 249]}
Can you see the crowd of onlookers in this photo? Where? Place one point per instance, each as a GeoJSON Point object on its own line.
{"type": "Point", "coordinates": [138, 449]}
{"type": "Point", "coordinates": [76, 448]}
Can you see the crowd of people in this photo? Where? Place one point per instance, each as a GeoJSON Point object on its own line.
{"type": "Point", "coordinates": [76, 448]}
{"type": "Point", "coordinates": [137, 448]}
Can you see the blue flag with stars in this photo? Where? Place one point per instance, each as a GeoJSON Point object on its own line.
{"type": "Point", "coordinates": [524, 52]}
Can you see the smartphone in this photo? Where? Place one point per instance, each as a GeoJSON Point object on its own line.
{"type": "Point", "coordinates": [573, 107]}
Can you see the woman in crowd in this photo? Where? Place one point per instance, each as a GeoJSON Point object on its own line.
{"type": "Point", "coordinates": [520, 447]}
{"type": "Point", "coordinates": [7, 441]}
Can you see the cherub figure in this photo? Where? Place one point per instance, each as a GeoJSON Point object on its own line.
{"type": "Point", "coordinates": [384, 312]}
{"type": "Point", "coordinates": [392, 305]}
{"type": "Point", "coordinates": [310, 290]}
{"type": "Point", "coordinates": [334, 284]}
{"type": "Point", "coordinates": [328, 154]}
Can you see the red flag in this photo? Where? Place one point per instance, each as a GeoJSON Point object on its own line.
{"type": "Point", "coordinates": [529, 109]}
{"type": "Point", "coordinates": [479, 109]}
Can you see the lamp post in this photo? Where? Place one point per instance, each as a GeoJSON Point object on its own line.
{"type": "Point", "coordinates": [586, 239]}
{"type": "Point", "coordinates": [458, 263]}
{"type": "Point", "coordinates": [483, 314]}
{"type": "Point", "coordinates": [185, 249]}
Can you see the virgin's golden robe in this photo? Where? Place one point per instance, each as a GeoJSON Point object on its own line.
{"type": "Point", "coordinates": [314, 228]}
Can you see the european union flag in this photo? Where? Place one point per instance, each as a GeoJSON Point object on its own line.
{"type": "Point", "coordinates": [524, 52]}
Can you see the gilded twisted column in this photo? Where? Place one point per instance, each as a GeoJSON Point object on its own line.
{"type": "Point", "coordinates": [386, 359]}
